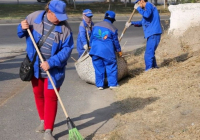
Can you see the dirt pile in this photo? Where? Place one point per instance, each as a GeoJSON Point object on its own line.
{"type": "Point", "coordinates": [161, 103]}
{"type": "Point", "coordinates": [180, 48]}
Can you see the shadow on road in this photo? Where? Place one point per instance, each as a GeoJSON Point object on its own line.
{"type": "Point", "coordinates": [105, 114]}
{"type": "Point", "coordinates": [9, 69]}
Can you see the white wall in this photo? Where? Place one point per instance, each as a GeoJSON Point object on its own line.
{"type": "Point", "coordinates": [183, 16]}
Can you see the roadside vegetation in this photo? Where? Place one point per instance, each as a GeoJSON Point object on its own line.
{"type": "Point", "coordinates": [161, 103]}
{"type": "Point", "coordinates": [20, 11]}
{"type": "Point", "coordinates": [158, 104]}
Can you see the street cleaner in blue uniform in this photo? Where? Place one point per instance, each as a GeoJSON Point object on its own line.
{"type": "Point", "coordinates": [152, 30]}
{"type": "Point", "coordinates": [55, 50]}
{"type": "Point", "coordinates": [85, 29]}
{"type": "Point", "coordinates": [104, 44]}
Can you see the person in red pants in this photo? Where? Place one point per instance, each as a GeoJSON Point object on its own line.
{"type": "Point", "coordinates": [46, 103]}
{"type": "Point", "coordinates": [55, 50]}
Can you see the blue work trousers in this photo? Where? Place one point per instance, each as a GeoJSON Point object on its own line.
{"type": "Point", "coordinates": [103, 66]}
{"type": "Point", "coordinates": [151, 46]}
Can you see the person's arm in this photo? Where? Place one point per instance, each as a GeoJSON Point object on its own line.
{"type": "Point", "coordinates": [116, 42]}
{"type": "Point", "coordinates": [146, 13]}
{"type": "Point", "coordinates": [91, 38]}
{"type": "Point", "coordinates": [22, 29]}
{"type": "Point", "coordinates": [83, 37]}
{"type": "Point", "coordinates": [136, 23]}
{"type": "Point", "coordinates": [60, 59]}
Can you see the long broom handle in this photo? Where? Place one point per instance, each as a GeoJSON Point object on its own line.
{"type": "Point", "coordinates": [88, 38]}
{"type": "Point", "coordinates": [54, 87]}
{"type": "Point", "coordinates": [129, 20]}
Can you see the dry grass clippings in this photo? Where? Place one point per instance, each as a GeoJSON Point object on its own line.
{"type": "Point", "coordinates": [161, 103]}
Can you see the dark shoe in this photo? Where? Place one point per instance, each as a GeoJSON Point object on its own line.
{"type": "Point", "coordinates": [156, 67]}
{"type": "Point", "coordinates": [40, 128]}
{"type": "Point", "coordinates": [48, 135]}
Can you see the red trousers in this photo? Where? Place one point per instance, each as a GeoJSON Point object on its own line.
{"type": "Point", "coordinates": [46, 101]}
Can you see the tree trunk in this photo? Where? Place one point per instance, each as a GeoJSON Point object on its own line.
{"type": "Point", "coordinates": [165, 3]}
{"type": "Point", "coordinates": [109, 5]}
{"type": "Point", "coordinates": [75, 4]}
{"type": "Point", "coordinates": [125, 3]}
{"type": "Point", "coordinates": [156, 2]}
{"type": "Point", "coordinates": [71, 1]}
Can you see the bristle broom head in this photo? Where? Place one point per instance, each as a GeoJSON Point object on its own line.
{"type": "Point", "coordinates": [75, 135]}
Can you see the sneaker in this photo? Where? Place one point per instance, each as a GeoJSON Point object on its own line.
{"type": "Point", "coordinates": [48, 135]}
{"type": "Point", "coordinates": [40, 128]}
{"type": "Point", "coordinates": [100, 88]}
{"type": "Point", "coordinates": [111, 87]}
{"type": "Point", "coordinates": [148, 69]}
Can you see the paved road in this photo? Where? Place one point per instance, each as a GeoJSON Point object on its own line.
{"type": "Point", "coordinates": [91, 110]}
{"type": "Point", "coordinates": [11, 45]}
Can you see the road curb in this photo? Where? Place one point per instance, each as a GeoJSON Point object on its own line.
{"type": "Point", "coordinates": [8, 21]}
{"type": "Point", "coordinates": [96, 17]}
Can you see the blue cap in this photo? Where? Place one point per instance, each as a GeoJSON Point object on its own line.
{"type": "Point", "coordinates": [136, 1]}
{"type": "Point", "coordinates": [87, 12]}
{"type": "Point", "coordinates": [110, 14]}
{"type": "Point", "coordinates": [58, 8]}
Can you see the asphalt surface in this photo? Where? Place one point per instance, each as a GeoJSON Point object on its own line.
{"type": "Point", "coordinates": [11, 45]}
{"type": "Point", "coordinates": [91, 110]}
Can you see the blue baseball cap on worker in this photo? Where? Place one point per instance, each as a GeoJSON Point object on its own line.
{"type": "Point", "coordinates": [136, 1]}
{"type": "Point", "coordinates": [110, 14]}
{"type": "Point", "coordinates": [58, 8]}
{"type": "Point", "coordinates": [87, 12]}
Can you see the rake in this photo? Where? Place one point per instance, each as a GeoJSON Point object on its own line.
{"type": "Point", "coordinates": [129, 20]}
{"type": "Point", "coordinates": [73, 131]}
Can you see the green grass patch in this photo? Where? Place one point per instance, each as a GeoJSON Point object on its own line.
{"type": "Point", "coordinates": [20, 11]}
{"type": "Point", "coordinates": [17, 11]}
{"type": "Point", "coordinates": [101, 8]}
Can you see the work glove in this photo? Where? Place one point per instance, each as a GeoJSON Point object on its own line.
{"type": "Point", "coordinates": [85, 47]}
{"type": "Point", "coordinates": [128, 24]}
{"type": "Point", "coordinates": [120, 54]}
{"type": "Point", "coordinates": [136, 6]}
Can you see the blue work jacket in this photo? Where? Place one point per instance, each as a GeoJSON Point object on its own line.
{"type": "Point", "coordinates": [150, 20]}
{"type": "Point", "coordinates": [61, 48]}
{"type": "Point", "coordinates": [82, 36]}
{"type": "Point", "coordinates": [104, 40]}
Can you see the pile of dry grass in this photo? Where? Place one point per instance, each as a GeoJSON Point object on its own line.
{"type": "Point", "coordinates": [161, 103]}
